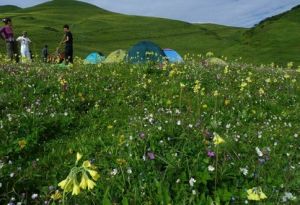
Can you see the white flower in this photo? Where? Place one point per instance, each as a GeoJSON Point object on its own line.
{"type": "Point", "coordinates": [177, 181]}
{"type": "Point", "coordinates": [129, 171]}
{"type": "Point", "coordinates": [288, 196]}
{"type": "Point", "coordinates": [114, 172]}
{"type": "Point", "coordinates": [19, 203]}
{"type": "Point", "coordinates": [259, 153]}
{"type": "Point", "coordinates": [194, 192]}
{"type": "Point", "coordinates": [0, 185]}
{"type": "Point", "coordinates": [192, 181]}
{"type": "Point", "coordinates": [244, 171]}
{"type": "Point", "coordinates": [34, 196]}
{"type": "Point", "coordinates": [178, 122]}
{"type": "Point", "coordinates": [211, 168]}
{"type": "Point", "coordinates": [190, 126]}
{"type": "Point", "coordinates": [12, 174]}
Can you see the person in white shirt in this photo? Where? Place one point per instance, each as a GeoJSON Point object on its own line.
{"type": "Point", "coordinates": [25, 41]}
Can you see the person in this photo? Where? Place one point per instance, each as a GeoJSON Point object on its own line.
{"type": "Point", "coordinates": [7, 34]}
{"type": "Point", "coordinates": [68, 40]}
{"type": "Point", "coordinates": [45, 54]}
{"type": "Point", "coordinates": [25, 41]}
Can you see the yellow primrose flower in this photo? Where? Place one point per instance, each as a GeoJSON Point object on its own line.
{"type": "Point", "coordinates": [226, 69]}
{"type": "Point", "coordinates": [63, 183]}
{"type": "Point", "coordinates": [268, 80]}
{"type": "Point", "coordinates": [66, 185]}
{"type": "Point", "coordinates": [216, 93]}
{"type": "Point", "coordinates": [83, 182]}
{"type": "Point", "coordinates": [76, 189]}
{"type": "Point", "coordinates": [243, 84]}
{"type": "Point", "coordinates": [94, 174]}
{"type": "Point", "coordinates": [255, 194]}
{"type": "Point", "coordinates": [86, 164]}
{"type": "Point", "coordinates": [218, 140]}
{"type": "Point", "coordinates": [261, 91]}
{"type": "Point", "coordinates": [91, 184]}
{"type": "Point", "coordinates": [78, 156]}
{"type": "Point", "coordinates": [226, 102]}
{"type": "Point", "coordinates": [22, 143]}
{"type": "Point", "coordinates": [56, 195]}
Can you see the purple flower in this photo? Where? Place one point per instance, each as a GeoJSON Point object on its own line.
{"type": "Point", "coordinates": [210, 154]}
{"type": "Point", "coordinates": [151, 155]}
{"type": "Point", "coordinates": [142, 135]}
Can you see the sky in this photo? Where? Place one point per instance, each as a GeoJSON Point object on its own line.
{"type": "Point", "coordinates": [240, 13]}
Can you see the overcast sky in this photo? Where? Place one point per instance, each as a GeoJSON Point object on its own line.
{"type": "Point", "coordinates": [243, 13]}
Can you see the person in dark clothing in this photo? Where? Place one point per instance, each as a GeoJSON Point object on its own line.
{"type": "Point", "coordinates": [68, 40]}
{"type": "Point", "coordinates": [45, 54]}
{"type": "Point", "coordinates": [7, 34]}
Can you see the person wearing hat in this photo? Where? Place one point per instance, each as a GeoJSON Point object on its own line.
{"type": "Point", "coordinates": [25, 51]}
{"type": "Point", "coordinates": [7, 34]}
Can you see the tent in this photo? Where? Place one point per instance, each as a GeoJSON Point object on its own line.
{"type": "Point", "coordinates": [116, 57]}
{"type": "Point", "coordinates": [216, 61]}
{"type": "Point", "coordinates": [145, 51]}
{"type": "Point", "coordinates": [94, 58]}
{"type": "Point", "coordinates": [172, 56]}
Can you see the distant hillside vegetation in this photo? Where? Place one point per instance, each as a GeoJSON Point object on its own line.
{"type": "Point", "coordinates": [95, 29]}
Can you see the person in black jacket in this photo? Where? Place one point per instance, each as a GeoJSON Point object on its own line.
{"type": "Point", "coordinates": [68, 40]}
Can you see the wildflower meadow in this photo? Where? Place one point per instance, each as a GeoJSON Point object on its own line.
{"type": "Point", "coordinates": [132, 134]}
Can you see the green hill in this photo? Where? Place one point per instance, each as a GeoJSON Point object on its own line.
{"type": "Point", "coordinates": [101, 30]}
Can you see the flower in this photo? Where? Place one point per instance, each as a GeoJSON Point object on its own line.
{"type": "Point", "coordinates": [255, 194]}
{"type": "Point", "coordinates": [56, 195]}
{"type": "Point", "coordinates": [192, 181]}
{"type": "Point", "coordinates": [218, 140]}
{"type": "Point", "coordinates": [83, 182]}
{"type": "Point", "coordinates": [211, 168]}
{"type": "Point", "coordinates": [210, 153]}
{"type": "Point", "coordinates": [76, 188]}
{"type": "Point", "coordinates": [22, 143]}
{"type": "Point", "coordinates": [94, 174]}
{"type": "Point", "coordinates": [259, 153]}
{"type": "Point", "coordinates": [244, 171]}
{"type": "Point", "coordinates": [78, 156]}
{"type": "Point", "coordinates": [90, 184]}
{"type": "Point", "coordinates": [151, 155]}
{"type": "Point", "coordinates": [86, 164]}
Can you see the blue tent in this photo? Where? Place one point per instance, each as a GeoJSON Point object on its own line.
{"type": "Point", "coordinates": [172, 56]}
{"type": "Point", "coordinates": [94, 58]}
{"type": "Point", "coordinates": [145, 51]}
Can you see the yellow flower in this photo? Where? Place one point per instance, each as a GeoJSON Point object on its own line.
{"type": "Point", "coordinates": [78, 156]}
{"type": "Point", "coordinates": [22, 143]}
{"type": "Point", "coordinates": [182, 85]}
{"type": "Point", "coordinates": [56, 195]}
{"type": "Point", "coordinates": [83, 182]}
{"type": "Point", "coordinates": [268, 80]}
{"type": "Point", "coordinates": [63, 183]}
{"type": "Point", "coordinates": [226, 69]}
{"type": "Point", "coordinates": [261, 91]}
{"type": "Point", "coordinates": [204, 106]}
{"type": "Point", "coordinates": [248, 79]}
{"type": "Point", "coordinates": [94, 174]}
{"type": "Point", "coordinates": [110, 127]}
{"type": "Point", "coordinates": [226, 102]}
{"type": "Point", "coordinates": [255, 194]}
{"type": "Point", "coordinates": [76, 189]}
{"type": "Point", "coordinates": [90, 184]}
{"type": "Point", "coordinates": [218, 140]}
{"type": "Point", "coordinates": [86, 164]}
{"type": "Point", "coordinates": [243, 84]}
{"type": "Point", "coordinates": [216, 93]}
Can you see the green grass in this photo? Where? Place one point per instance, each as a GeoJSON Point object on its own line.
{"type": "Point", "coordinates": [96, 29]}
{"type": "Point", "coordinates": [117, 115]}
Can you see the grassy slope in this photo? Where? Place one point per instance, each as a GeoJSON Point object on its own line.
{"type": "Point", "coordinates": [97, 29]}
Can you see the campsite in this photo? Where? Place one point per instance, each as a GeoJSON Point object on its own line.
{"type": "Point", "coordinates": [151, 111]}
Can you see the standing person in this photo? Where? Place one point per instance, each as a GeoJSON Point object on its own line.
{"type": "Point", "coordinates": [7, 34]}
{"type": "Point", "coordinates": [25, 41]}
{"type": "Point", "coordinates": [45, 54]}
{"type": "Point", "coordinates": [68, 40]}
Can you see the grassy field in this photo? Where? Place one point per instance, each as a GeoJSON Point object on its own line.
{"type": "Point", "coordinates": [98, 30]}
{"type": "Point", "coordinates": [174, 134]}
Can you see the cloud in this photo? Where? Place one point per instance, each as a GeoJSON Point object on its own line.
{"type": "Point", "coordinates": [242, 13]}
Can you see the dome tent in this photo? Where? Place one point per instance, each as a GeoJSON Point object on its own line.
{"type": "Point", "coordinates": [116, 56]}
{"type": "Point", "coordinates": [172, 56]}
{"type": "Point", "coordinates": [145, 51]}
{"type": "Point", "coordinates": [94, 58]}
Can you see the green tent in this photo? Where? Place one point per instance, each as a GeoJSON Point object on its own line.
{"type": "Point", "coordinates": [216, 61]}
{"type": "Point", "coordinates": [116, 57]}
{"type": "Point", "coordinates": [145, 51]}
